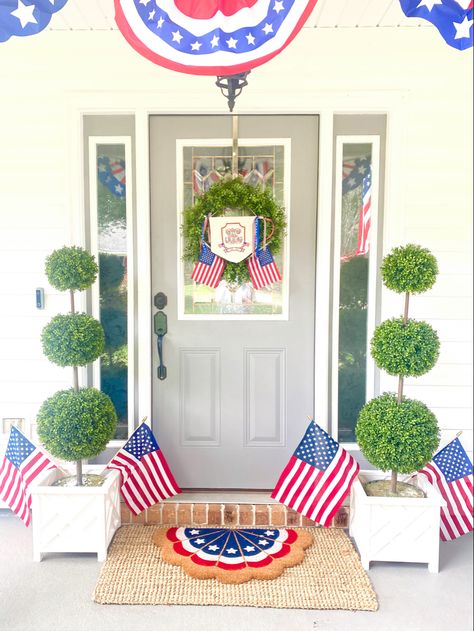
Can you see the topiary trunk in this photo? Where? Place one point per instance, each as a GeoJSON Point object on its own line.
{"type": "Point", "coordinates": [393, 479]}
{"type": "Point", "coordinates": [75, 381]}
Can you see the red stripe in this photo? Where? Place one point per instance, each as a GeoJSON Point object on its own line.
{"type": "Point", "coordinates": [294, 502]}
{"type": "Point", "coordinates": [153, 491]}
{"type": "Point", "coordinates": [154, 465]}
{"type": "Point", "coordinates": [433, 474]}
{"type": "Point", "coordinates": [176, 489]}
{"type": "Point", "coordinates": [468, 481]}
{"type": "Point", "coordinates": [34, 467]}
{"type": "Point", "coordinates": [19, 495]}
{"type": "Point", "coordinates": [262, 563]}
{"type": "Point", "coordinates": [364, 227]}
{"type": "Point", "coordinates": [178, 547]}
{"type": "Point", "coordinates": [292, 481]}
{"type": "Point", "coordinates": [316, 481]}
{"type": "Point", "coordinates": [466, 498]}
{"type": "Point", "coordinates": [157, 463]}
{"type": "Point", "coordinates": [197, 559]}
{"type": "Point", "coordinates": [445, 512]}
{"type": "Point", "coordinates": [4, 475]}
{"type": "Point", "coordinates": [159, 486]}
{"type": "Point", "coordinates": [283, 476]}
{"type": "Point", "coordinates": [171, 534]}
{"type": "Point", "coordinates": [123, 463]}
{"type": "Point", "coordinates": [460, 507]}
{"type": "Point", "coordinates": [130, 501]}
{"type": "Point", "coordinates": [136, 493]}
{"type": "Point", "coordinates": [209, 275]}
{"type": "Point", "coordinates": [328, 483]}
{"type": "Point", "coordinates": [11, 475]}
{"type": "Point", "coordinates": [254, 271]}
{"type": "Point", "coordinates": [348, 482]}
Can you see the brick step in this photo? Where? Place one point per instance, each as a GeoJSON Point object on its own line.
{"type": "Point", "coordinates": [175, 513]}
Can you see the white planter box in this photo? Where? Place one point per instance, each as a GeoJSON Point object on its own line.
{"type": "Point", "coordinates": [75, 519]}
{"type": "Point", "coordinates": [395, 528]}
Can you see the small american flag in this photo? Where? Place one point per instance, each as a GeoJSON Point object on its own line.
{"type": "Point", "coordinates": [146, 477]}
{"type": "Point", "coordinates": [450, 472]}
{"type": "Point", "coordinates": [317, 477]}
{"type": "Point", "coordinates": [22, 463]}
{"type": "Point", "coordinates": [262, 268]}
{"type": "Point", "coordinates": [209, 268]}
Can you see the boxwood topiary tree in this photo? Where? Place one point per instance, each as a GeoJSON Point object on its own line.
{"type": "Point", "coordinates": [396, 433]}
{"type": "Point", "coordinates": [74, 424]}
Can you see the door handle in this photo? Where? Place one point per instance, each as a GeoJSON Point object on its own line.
{"type": "Point", "coordinates": [161, 329]}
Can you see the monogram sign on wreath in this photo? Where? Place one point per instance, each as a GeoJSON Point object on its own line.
{"type": "Point", "coordinates": [232, 238]}
{"type": "Point", "coordinates": [232, 232]}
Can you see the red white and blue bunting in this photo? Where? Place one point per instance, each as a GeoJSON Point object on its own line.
{"type": "Point", "coordinates": [452, 18]}
{"type": "Point", "coordinates": [211, 37]}
{"type": "Point", "coordinates": [26, 17]}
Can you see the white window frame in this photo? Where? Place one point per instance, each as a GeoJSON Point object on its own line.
{"type": "Point", "coordinates": [370, 390]}
{"type": "Point", "coordinates": [126, 141]}
{"type": "Point", "coordinates": [227, 142]}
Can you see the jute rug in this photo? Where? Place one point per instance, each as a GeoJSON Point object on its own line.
{"type": "Point", "coordinates": [329, 577]}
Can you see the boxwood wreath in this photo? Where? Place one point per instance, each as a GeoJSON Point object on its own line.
{"type": "Point", "coordinates": [239, 196]}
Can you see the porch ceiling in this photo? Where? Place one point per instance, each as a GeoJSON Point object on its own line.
{"type": "Point", "coordinates": [99, 15]}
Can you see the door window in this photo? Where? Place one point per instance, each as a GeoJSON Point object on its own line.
{"type": "Point", "coordinates": [259, 165]}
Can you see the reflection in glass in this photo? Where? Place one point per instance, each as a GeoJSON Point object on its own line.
{"type": "Point", "coordinates": [258, 166]}
{"type": "Point", "coordinates": [356, 190]}
{"type": "Point", "coordinates": [113, 282]}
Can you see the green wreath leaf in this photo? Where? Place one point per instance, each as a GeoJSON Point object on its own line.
{"type": "Point", "coordinates": [236, 194]}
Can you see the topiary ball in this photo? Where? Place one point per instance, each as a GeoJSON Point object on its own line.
{"type": "Point", "coordinates": [75, 339]}
{"type": "Point", "coordinates": [397, 436]}
{"type": "Point", "coordinates": [71, 268]}
{"type": "Point", "coordinates": [409, 350]}
{"type": "Point", "coordinates": [409, 268]}
{"type": "Point", "coordinates": [75, 425]}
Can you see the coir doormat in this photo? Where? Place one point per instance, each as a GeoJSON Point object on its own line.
{"type": "Point", "coordinates": [329, 577]}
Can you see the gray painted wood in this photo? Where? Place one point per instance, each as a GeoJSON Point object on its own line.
{"type": "Point", "coordinates": [238, 393]}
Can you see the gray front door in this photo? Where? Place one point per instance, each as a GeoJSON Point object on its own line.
{"type": "Point", "coordinates": [240, 363]}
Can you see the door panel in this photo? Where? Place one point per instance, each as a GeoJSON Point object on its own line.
{"type": "Point", "coordinates": [238, 391]}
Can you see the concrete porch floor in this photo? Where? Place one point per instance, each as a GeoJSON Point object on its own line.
{"type": "Point", "coordinates": [56, 594]}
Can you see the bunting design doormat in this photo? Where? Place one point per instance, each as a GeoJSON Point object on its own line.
{"type": "Point", "coordinates": [233, 555]}
{"type": "Point", "coordinates": [330, 576]}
